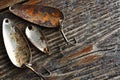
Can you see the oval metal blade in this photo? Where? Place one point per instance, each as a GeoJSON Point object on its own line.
{"type": "Point", "coordinates": [37, 38]}
{"type": "Point", "coordinates": [41, 15]}
{"type": "Point", "coordinates": [15, 44]}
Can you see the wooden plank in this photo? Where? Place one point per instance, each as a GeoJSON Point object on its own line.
{"type": "Point", "coordinates": [94, 23]}
{"type": "Point", "coordinates": [6, 3]}
{"type": "Point", "coordinates": [31, 2]}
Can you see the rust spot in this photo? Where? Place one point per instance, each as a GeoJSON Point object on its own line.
{"type": "Point", "coordinates": [89, 59]}
{"type": "Point", "coordinates": [40, 15]}
{"type": "Point", "coordinates": [84, 50]}
{"type": "Point", "coordinates": [22, 50]}
{"type": "Point", "coordinates": [46, 50]}
{"type": "Point", "coordinates": [83, 61]}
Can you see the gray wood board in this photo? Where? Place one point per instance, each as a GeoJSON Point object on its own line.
{"type": "Point", "coordinates": [95, 25]}
{"type": "Point", "coordinates": [6, 3]}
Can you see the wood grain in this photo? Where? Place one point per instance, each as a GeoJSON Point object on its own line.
{"type": "Point", "coordinates": [95, 25]}
{"type": "Point", "coordinates": [7, 3]}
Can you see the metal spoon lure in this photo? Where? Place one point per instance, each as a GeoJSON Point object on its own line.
{"type": "Point", "coordinates": [41, 15]}
{"type": "Point", "coordinates": [16, 46]}
{"type": "Point", "coordinates": [37, 38]}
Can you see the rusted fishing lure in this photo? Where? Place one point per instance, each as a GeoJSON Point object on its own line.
{"type": "Point", "coordinates": [16, 45]}
{"type": "Point", "coordinates": [37, 14]}
{"type": "Point", "coordinates": [41, 15]}
{"type": "Point", "coordinates": [37, 38]}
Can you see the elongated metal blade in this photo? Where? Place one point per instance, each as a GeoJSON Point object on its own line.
{"type": "Point", "coordinates": [41, 15]}
{"type": "Point", "coordinates": [37, 38]}
{"type": "Point", "coordinates": [15, 44]}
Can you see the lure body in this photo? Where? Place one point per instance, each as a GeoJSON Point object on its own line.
{"type": "Point", "coordinates": [16, 46]}
{"type": "Point", "coordinates": [37, 14]}
{"type": "Point", "coordinates": [37, 38]}
{"type": "Point", "coordinates": [41, 15]}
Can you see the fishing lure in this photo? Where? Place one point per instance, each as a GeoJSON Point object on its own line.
{"type": "Point", "coordinates": [16, 45]}
{"type": "Point", "coordinates": [37, 38]}
{"type": "Point", "coordinates": [41, 15]}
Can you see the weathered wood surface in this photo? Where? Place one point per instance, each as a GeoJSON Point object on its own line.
{"type": "Point", "coordinates": [6, 3]}
{"type": "Point", "coordinates": [96, 26]}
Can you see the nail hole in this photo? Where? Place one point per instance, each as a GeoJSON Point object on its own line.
{"type": "Point", "coordinates": [6, 20]}
{"type": "Point", "coordinates": [30, 27]}
{"type": "Point", "coordinates": [12, 8]}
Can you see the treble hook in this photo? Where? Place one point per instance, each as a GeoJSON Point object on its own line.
{"type": "Point", "coordinates": [62, 32]}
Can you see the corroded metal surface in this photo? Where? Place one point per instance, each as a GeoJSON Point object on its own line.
{"type": "Point", "coordinates": [37, 14]}
{"type": "Point", "coordinates": [95, 25]}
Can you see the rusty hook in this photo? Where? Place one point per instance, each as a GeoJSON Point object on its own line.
{"type": "Point", "coordinates": [63, 34]}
